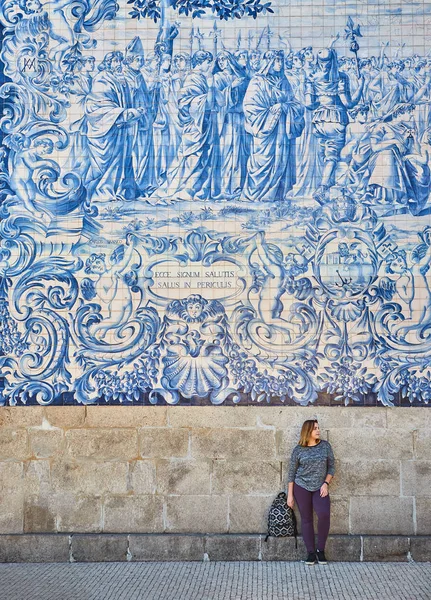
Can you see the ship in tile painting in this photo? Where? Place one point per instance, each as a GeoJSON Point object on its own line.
{"type": "Point", "coordinates": [199, 206]}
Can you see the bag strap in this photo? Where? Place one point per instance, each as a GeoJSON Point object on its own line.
{"type": "Point", "coordinates": [295, 528]}
{"type": "Point", "coordinates": [269, 519]}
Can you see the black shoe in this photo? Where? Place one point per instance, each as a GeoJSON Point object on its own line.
{"type": "Point", "coordinates": [321, 558]}
{"type": "Point", "coordinates": [311, 559]}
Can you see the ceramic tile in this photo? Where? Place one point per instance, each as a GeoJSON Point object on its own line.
{"type": "Point", "coordinates": [205, 206]}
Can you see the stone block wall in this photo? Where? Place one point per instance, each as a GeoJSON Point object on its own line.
{"type": "Point", "coordinates": [206, 470]}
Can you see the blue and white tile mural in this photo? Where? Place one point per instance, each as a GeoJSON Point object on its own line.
{"type": "Point", "coordinates": [209, 201]}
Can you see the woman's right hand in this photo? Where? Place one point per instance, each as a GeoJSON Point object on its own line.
{"type": "Point", "coordinates": [290, 501]}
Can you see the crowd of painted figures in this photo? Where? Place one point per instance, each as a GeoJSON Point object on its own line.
{"type": "Point", "coordinates": [247, 125]}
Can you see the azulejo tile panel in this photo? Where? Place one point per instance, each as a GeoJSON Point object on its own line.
{"type": "Point", "coordinates": [210, 202]}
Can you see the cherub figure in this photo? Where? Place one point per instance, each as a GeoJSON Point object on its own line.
{"type": "Point", "coordinates": [51, 15]}
{"type": "Point", "coordinates": [112, 287]}
{"type": "Point", "coordinates": [400, 281]}
{"type": "Point", "coordinates": [410, 286]}
{"type": "Point", "coordinates": [59, 28]}
{"type": "Point", "coordinates": [193, 339]}
{"type": "Point", "coordinates": [26, 158]}
{"type": "Point", "coordinates": [276, 277]}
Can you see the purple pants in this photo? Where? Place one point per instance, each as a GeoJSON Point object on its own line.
{"type": "Point", "coordinates": [306, 502]}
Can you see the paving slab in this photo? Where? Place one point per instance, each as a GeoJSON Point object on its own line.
{"type": "Point", "coordinates": [216, 581]}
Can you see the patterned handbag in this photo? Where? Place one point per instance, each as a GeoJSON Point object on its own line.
{"type": "Point", "coordinates": [282, 519]}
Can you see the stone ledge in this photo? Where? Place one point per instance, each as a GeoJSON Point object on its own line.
{"type": "Point", "coordinates": [196, 547]}
{"type": "Point", "coordinates": [386, 548]}
{"type": "Point", "coordinates": [162, 547]}
{"type": "Point", "coordinates": [99, 548]}
{"type": "Point", "coordinates": [421, 548]}
{"type": "Point", "coordinates": [232, 547]}
{"type": "Point", "coordinates": [33, 547]}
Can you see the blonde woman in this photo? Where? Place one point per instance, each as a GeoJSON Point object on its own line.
{"type": "Point", "coordinates": [312, 467]}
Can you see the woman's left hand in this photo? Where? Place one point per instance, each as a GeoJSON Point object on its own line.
{"type": "Point", "coordinates": [324, 490]}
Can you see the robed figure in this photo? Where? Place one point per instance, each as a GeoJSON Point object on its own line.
{"type": "Point", "coordinates": [309, 164]}
{"type": "Point", "coordinates": [143, 142]}
{"type": "Point", "coordinates": [275, 119]}
{"type": "Point", "coordinates": [165, 145]}
{"type": "Point", "coordinates": [181, 64]}
{"type": "Point", "coordinates": [231, 81]}
{"type": "Point", "coordinates": [78, 161]}
{"type": "Point", "coordinates": [110, 119]}
{"type": "Point", "coordinates": [195, 174]}
{"type": "Point", "coordinates": [389, 88]}
{"type": "Point", "coordinates": [395, 175]}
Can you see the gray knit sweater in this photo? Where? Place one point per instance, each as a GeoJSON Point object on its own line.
{"type": "Point", "coordinates": [309, 465]}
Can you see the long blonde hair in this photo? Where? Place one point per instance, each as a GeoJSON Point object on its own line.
{"type": "Point", "coordinates": [306, 431]}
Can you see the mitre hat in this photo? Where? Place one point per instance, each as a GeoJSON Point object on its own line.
{"type": "Point", "coordinates": [135, 47]}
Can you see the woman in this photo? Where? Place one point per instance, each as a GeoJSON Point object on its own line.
{"type": "Point", "coordinates": [311, 471]}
